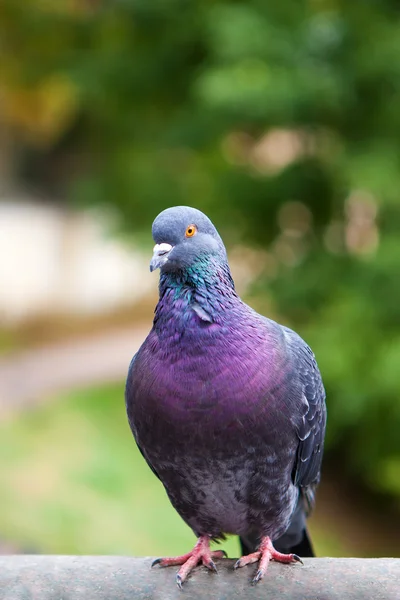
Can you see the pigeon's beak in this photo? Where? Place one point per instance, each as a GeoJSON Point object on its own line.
{"type": "Point", "coordinates": [160, 256]}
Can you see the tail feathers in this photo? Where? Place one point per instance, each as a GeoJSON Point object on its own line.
{"type": "Point", "coordinates": [248, 545]}
{"type": "Point", "coordinates": [303, 548]}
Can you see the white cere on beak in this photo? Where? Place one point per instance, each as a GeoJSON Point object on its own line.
{"type": "Point", "coordinates": [162, 248]}
{"type": "Point", "coordinates": [160, 256]}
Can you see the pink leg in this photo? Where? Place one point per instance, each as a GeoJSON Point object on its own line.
{"type": "Point", "coordinates": [264, 554]}
{"type": "Point", "coordinates": [200, 553]}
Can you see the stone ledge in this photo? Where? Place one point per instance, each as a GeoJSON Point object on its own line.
{"type": "Point", "coordinates": [39, 577]}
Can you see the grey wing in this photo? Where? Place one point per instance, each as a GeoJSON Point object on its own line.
{"type": "Point", "coordinates": [307, 410]}
{"type": "Point", "coordinates": [128, 398]}
{"type": "Point", "coordinates": [310, 426]}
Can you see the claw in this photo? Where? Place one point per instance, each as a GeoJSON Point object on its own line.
{"type": "Point", "coordinates": [257, 577]}
{"type": "Point", "coordinates": [178, 580]}
{"type": "Point", "coordinates": [297, 559]}
{"type": "Point", "coordinates": [156, 562]}
{"type": "Point", "coordinates": [212, 566]}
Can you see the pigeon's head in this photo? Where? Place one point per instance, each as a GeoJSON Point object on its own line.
{"type": "Point", "coordinates": [183, 236]}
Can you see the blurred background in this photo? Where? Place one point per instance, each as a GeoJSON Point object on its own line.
{"type": "Point", "coordinates": [281, 121]}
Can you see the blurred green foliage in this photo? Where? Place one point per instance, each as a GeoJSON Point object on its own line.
{"type": "Point", "coordinates": [281, 120]}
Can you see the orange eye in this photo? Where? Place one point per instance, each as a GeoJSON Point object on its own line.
{"type": "Point", "coordinates": [190, 230]}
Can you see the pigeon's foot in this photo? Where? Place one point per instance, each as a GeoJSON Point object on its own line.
{"type": "Point", "coordinates": [264, 554]}
{"type": "Point", "coordinates": [201, 553]}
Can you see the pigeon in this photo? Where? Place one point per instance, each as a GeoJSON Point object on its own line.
{"type": "Point", "coordinates": [226, 406]}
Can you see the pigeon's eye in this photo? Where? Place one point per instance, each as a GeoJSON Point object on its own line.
{"type": "Point", "coordinates": [190, 230]}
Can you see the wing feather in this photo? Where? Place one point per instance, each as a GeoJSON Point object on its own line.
{"type": "Point", "coordinates": [310, 427]}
